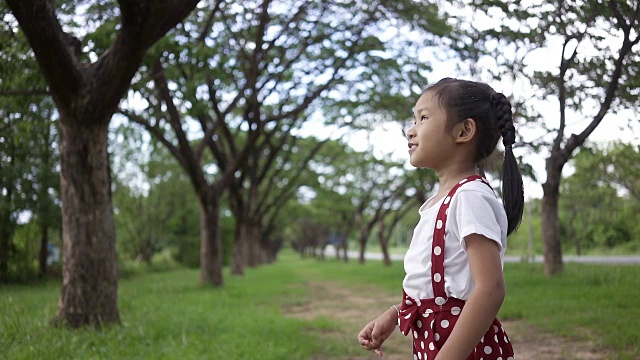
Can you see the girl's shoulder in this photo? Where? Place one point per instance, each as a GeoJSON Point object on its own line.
{"type": "Point", "coordinates": [477, 195]}
{"type": "Point", "coordinates": [478, 187]}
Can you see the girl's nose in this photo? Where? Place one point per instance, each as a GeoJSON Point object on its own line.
{"type": "Point", "coordinates": [408, 131]}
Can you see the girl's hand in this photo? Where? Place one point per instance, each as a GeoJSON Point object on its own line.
{"type": "Point", "coordinates": [377, 331]}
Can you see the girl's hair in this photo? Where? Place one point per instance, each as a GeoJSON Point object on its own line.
{"type": "Point", "coordinates": [491, 111]}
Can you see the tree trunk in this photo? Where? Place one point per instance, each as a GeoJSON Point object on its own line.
{"type": "Point", "coordinates": [44, 250]}
{"type": "Point", "coordinates": [362, 240]}
{"type": "Point", "coordinates": [384, 244]}
{"type": "Point", "coordinates": [6, 225]}
{"type": "Point", "coordinates": [238, 255]}
{"type": "Point", "coordinates": [552, 247]}
{"type": "Point", "coordinates": [251, 251]}
{"type": "Point", "coordinates": [89, 294]}
{"type": "Point", "coordinates": [252, 244]}
{"type": "Point", "coordinates": [5, 238]}
{"type": "Point", "coordinates": [210, 241]}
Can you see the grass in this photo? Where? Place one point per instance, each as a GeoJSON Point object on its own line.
{"type": "Point", "coordinates": [596, 302]}
{"type": "Point", "coordinates": [167, 315]}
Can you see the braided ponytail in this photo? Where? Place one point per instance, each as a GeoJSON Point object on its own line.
{"type": "Point", "coordinates": [512, 188]}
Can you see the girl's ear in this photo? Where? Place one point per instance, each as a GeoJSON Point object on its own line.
{"type": "Point", "coordinates": [465, 131]}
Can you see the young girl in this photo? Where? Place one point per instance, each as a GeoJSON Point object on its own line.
{"type": "Point", "coordinates": [454, 284]}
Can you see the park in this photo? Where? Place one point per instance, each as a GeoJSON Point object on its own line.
{"type": "Point", "coordinates": [230, 180]}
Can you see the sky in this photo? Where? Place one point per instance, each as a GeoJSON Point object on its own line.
{"type": "Point", "coordinates": [387, 138]}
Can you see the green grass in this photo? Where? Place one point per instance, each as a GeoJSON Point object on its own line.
{"type": "Point", "coordinates": [168, 316]}
{"type": "Point", "coordinates": [596, 302]}
{"type": "Point", "coordinates": [599, 301]}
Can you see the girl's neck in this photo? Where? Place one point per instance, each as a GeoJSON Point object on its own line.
{"type": "Point", "coordinates": [449, 177]}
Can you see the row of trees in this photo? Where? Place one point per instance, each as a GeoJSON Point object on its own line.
{"type": "Point", "coordinates": [227, 92]}
{"type": "Point", "coordinates": [246, 75]}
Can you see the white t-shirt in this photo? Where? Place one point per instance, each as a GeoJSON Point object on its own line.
{"type": "Point", "coordinates": [474, 209]}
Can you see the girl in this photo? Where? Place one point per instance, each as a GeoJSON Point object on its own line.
{"type": "Point", "coordinates": [454, 284]}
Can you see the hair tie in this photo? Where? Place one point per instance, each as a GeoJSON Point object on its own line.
{"type": "Point", "coordinates": [510, 147]}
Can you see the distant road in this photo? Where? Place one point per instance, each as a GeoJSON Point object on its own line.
{"type": "Point", "coordinates": [586, 259]}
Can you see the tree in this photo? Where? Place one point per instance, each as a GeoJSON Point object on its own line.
{"type": "Point", "coordinates": [598, 62]}
{"type": "Point", "coordinates": [247, 74]}
{"type": "Point", "coordinates": [28, 159]}
{"type": "Point", "coordinates": [270, 178]}
{"type": "Point", "coordinates": [87, 94]}
{"type": "Point", "coordinates": [598, 206]}
{"type": "Point", "coordinates": [620, 165]}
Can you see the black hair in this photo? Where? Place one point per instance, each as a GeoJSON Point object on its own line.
{"type": "Point", "coordinates": [491, 111]}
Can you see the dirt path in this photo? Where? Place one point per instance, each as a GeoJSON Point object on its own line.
{"type": "Point", "coordinates": [358, 306]}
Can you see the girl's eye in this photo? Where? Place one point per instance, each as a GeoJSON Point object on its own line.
{"type": "Point", "coordinates": [423, 118]}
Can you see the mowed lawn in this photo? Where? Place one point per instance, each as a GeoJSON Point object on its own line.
{"type": "Point", "coordinates": [167, 315]}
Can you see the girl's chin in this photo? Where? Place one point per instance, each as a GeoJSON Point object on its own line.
{"type": "Point", "coordinates": [415, 163]}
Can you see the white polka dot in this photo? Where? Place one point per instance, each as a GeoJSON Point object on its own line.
{"type": "Point", "coordinates": [455, 310]}
{"type": "Point", "coordinates": [437, 250]}
{"type": "Point", "coordinates": [408, 316]}
{"type": "Point", "coordinates": [495, 338]}
{"type": "Point", "coordinates": [431, 346]}
{"type": "Point", "coordinates": [419, 324]}
{"type": "Point", "coordinates": [427, 312]}
{"type": "Point", "coordinates": [506, 339]}
{"type": "Point", "coordinates": [447, 199]}
{"type": "Point", "coordinates": [415, 357]}
{"type": "Point", "coordinates": [440, 300]}
{"type": "Point", "coordinates": [439, 224]}
{"type": "Point", "coordinates": [487, 350]}
{"type": "Point", "coordinates": [426, 334]}
{"type": "Point", "coordinates": [445, 323]}
{"type": "Point", "coordinates": [511, 358]}
{"type": "Point", "coordinates": [437, 277]}
{"type": "Point", "coordinates": [446, 212]}
{"type": "Point", "coordinates": [418, 302]}
{"type": "Point", "coordinates": [499, 357]}
{"type": "Point", "coordinates": [415, 334]}
{"type": "Point", "coordinates": [436, 336]}
{"type": "Point", "coordinates": [495, 328]}
{"type": "Point", "coordinates": [420, 356]}
{"type": "Point", "coordinates": [408, 302]}
{"type": "Point", "coordinates": [422, 344]}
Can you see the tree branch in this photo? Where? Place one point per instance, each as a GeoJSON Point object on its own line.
{"type": "Point", "coordinates": [54, 49]}
{"type": "Point", "coordinates": [207, 27]}
{"type": "Point", "coordinates": [578, 140]}
{"type": "Point", "coordinates": [156, 132]}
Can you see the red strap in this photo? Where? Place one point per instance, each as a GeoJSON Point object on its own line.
{"type": "Point", "coordinates": [437, 250]}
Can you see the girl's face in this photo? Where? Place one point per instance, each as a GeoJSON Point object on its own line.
{"type": "Point", "coordinates": [429, 143]}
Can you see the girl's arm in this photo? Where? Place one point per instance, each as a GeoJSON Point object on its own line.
{"type": "Point", "coordinates": [376, 332]}
{"type": "Point", "coordinates": [483, 304]}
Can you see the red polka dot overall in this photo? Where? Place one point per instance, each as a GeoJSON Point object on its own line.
{"type": "Point", "coordinates": [430, 321]}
